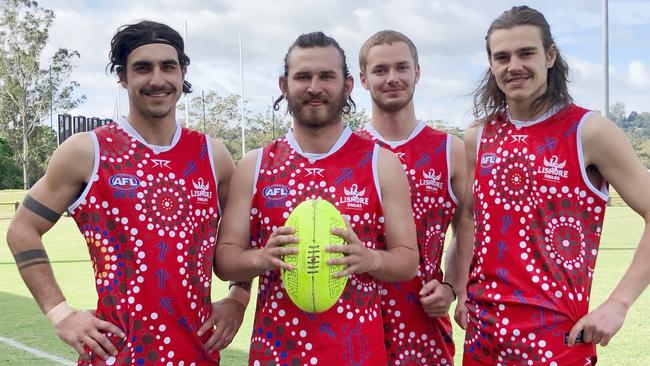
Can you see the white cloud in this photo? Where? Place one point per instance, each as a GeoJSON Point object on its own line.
{"type": "Point", "coordinates": [449, 36]}
{"type": "Point", "coordinates": [639, 76]}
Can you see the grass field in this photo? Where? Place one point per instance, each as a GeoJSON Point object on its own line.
{"type": "Point", "coordinates": [21, 320]}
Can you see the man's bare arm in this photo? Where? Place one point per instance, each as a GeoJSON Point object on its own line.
{"type": "Point", "coordinates": [458, 178]}
{"type": "Point", "coordinates": [227, 314]}
{"type": "Point", "coordinates": [436, 297]}
{"type": "Point", "coordinates": [235, 259]}
{"type": "Point", "coordinates": [224, 168]}
{"type": "Point", "coordinates": [69, 169]}
{"type": "Point", "coordinates": [399, 262]}
{"type": "Point", "coordinates": [607, 149]}
{"type": "Point", "coordinates": [465, 242]}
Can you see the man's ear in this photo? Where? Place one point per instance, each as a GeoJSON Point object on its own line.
{"type": "Point", "coordinates": [551, 56]}
{"type": "Point", "coordinates": [364, 81]}
{"type": "Point", "coordinates": [282, 83]}
{"type": "Point", "coordinates": [348, 85]}
{"type": "Point", "coordinates": [121, 75]}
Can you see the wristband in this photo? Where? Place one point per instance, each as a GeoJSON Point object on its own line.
{"type": "Point", "coordinates": [452, 289]}
{"type": "Point", "coordinates": [240, 295]}
{"type": "Point", "coordinates": [59, 312]}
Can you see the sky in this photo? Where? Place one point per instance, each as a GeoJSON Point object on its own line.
{"type": "Point", "coordinates": [449, 36]}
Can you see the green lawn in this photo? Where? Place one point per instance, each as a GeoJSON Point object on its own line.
{"type": "Point", "coordinates": [21, 320]}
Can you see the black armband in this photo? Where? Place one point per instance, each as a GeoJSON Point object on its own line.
{"type": "Point", "coordinates": [452, 289]}
{"type": "Point", "coordinates": [39, 209]}
{"type": "Point", "coordinates": [30, 258]}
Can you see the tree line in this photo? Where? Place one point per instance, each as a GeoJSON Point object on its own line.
{"type": "Point", "coordinates": [30, 90]}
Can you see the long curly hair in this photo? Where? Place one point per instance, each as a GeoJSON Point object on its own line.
{"type": "Point", "coordinates": [489, 100]}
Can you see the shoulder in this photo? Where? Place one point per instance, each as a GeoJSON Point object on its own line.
{"type": "Point", "coordinates": [471, 134]}
{"type": "Point", "coordinates": [223, 163]}
{"type": "Point", "coordinates": [600, 138]}
{"type": "Point", "coordinates": [456, 148]}
{"type": "Point", "coordinates": [218, 148]}
{"type": "Point", "coordinates": [78, 148]}
{"type": "Point", "coordinates": [596, 127]}
{"type": "Point", "coordinates": [249, 161]}
{"type": "Point", "coordinates": [387, 159]}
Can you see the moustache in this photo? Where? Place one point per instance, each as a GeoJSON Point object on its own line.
{"type": "Point", "coordinates": [151, 90]}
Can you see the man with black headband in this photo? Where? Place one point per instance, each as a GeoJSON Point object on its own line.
{"type": "Point", "coordinates": [146, 195]}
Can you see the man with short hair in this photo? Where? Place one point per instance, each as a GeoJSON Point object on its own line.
{"type": "Point", "coordinates": [146, 195]}
{"type": "Point", "coordinates": [540, 166]}
{"type": "Point", "coordinates": [319, 158]}
{"type": "Point", "coordinates": [417, 326]}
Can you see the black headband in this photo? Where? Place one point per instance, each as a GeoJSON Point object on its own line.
{"type": "Point", "coordinates": [146, 41]}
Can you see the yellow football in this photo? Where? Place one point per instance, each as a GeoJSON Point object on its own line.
{"type": "Point", "coordinates": [311, 285]}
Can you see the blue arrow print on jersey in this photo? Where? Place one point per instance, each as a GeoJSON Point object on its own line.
{"type": "Point", "coordinates": [162, 277]}
{"type": "Point", "coordinates": [326, 328]}
{"type": "Point", "coordinates": [366, 159]}
{"type": "Point", "coordinates": [166, 304]}
{"type": "Point", "coordinates": [189, 169]}
{"type": "Point", "coordinates": [163, 248]}
{"type": "Point", "coordinates": [345, 175]}
{"type": "Point", "coordinates": [549, 143]}
{"type": "Point", "coordinates": [425, 159]}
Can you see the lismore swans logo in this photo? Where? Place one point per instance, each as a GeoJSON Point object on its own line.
{"type": "Point", "coordinates": [431, 181]}
{"type": "Point", "coordinates": [201, 191]}
{"type": "Point", "coordinates": [354, 198]}
{"type": "Point", "coordinates": [553, 170]}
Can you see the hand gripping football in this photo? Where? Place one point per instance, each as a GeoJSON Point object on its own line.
{"type": "Point", "coordinates": [311, 285]}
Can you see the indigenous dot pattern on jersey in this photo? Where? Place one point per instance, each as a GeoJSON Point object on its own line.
{"type": "Point", "coordinates": [150, 221]}
{"type": "Point", "coordinates": [538, 223]}
{"type": "Point", "coordinates": [412, 337]}
{"type": "Point", "coordinates": [350, 333]}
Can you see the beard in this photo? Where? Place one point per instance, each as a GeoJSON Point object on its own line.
{"type": "Point", "coordinates": [316, 117]}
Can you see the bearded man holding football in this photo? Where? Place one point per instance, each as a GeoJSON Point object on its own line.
{"type": "Point", "coordinates": [319, 158]}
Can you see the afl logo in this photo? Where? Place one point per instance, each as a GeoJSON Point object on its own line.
{"type": "Point", "coordinates": [488, 159]}
{"type": "Point", "coordinates": [124, 182]}
{"type": "Point", "coordinates": [275, 192]}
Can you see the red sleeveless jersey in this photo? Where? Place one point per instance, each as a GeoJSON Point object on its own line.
{"type": "Point", "coordinates": [538, 222]}
{"type": "Point", "coordinates": [350, 333]}
{"type": "Point", "coordinates": [149, 215]}
{"type": "Point", "coordinates": [412, 337]}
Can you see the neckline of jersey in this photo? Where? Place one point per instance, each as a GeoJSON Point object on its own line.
{"type": "Point", "coordinates": [395, 143]}
{"type": "Point", "coordinates": [548, 114]}
{"type": "Point", "coordinates": [157, 149]}
{"type": "Point", "coordinates": [313, 157]}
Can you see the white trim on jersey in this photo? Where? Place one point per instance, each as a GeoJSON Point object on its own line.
{"type": "Point", "coordinates": [479, 136]}
{"type": "Point", "coordinates": [551, 111]}
{"type": "Point", "coordinates": [312, 157]}
{"type": "Point", "coordinates": [208, 145]}
{"type": "Point", "coordinates": [450, 189]}
{"type": "Point", "coordinates": [258, 164]}
{"type": "Point", "coordinates": [157, 149]}
{"type": "Point", "coordinates": [93, 175]}
{"type": "Point", "coordinates": [375, 172]}
{"type": "Point", "coordinates": [394, 144]}
{"type": "Point", "coordinates": [603, 192]}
